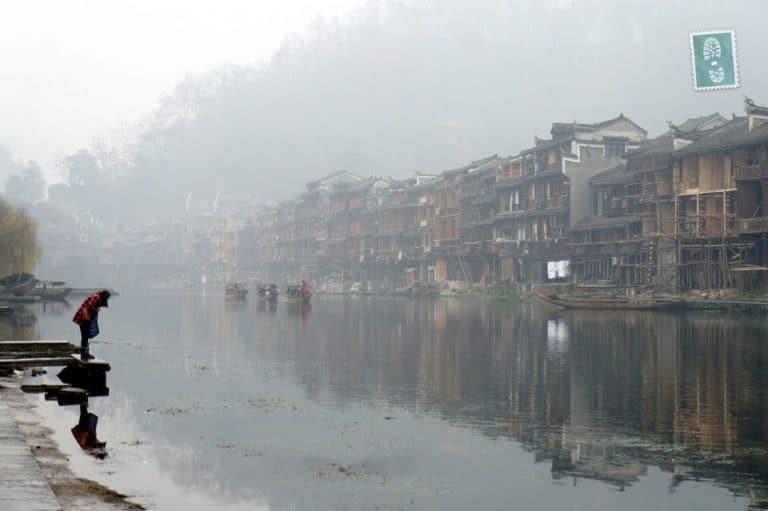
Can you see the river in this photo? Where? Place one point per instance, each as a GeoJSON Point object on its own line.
{"type": "Point", "coordinates": [395, 403]}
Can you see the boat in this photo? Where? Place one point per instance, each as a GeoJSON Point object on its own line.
{"type": "Point", "coordinates": [20, 298]}
{"type": "Point", "coordinates": [419, 289]}
{"type": "Point", "coordinates": [6, 309]}
{"type": "Point", "coordinates": [605, 303]}
{"type": "Point", "coordinates": [268, 293]}
{"type": "Point", "coordinates": [17, 284]}
{"type": "Point", "coordinates": [51, 290]}
{"type": "Point", "coordinates": [295, 293]}
{"type": "Point", "coordinates": [235, 290]}
{"type": "Point", "coordinates": [87, 291]}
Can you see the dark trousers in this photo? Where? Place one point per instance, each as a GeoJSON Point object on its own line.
{"type": "Point", "coordinates": [84, 331]}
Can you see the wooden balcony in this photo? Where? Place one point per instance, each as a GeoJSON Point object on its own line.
{"type": "Point", "coordinates": [753, 225]}
{"type": "Point", "coordinates": [747, 172]}
{"type": "Point", "coordinates": [550, 203]}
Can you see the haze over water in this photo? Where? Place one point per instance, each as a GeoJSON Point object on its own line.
{"type": "Point", "coordinates": [385, 403]}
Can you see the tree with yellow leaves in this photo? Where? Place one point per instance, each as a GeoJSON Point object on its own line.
{"type": "Point", "coordinates": [19, 251]}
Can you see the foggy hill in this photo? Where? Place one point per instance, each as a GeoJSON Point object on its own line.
{"type": "Point", "coordinates": [430, 86]}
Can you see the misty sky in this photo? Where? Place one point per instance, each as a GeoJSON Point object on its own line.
{"type": "Point", "coordinates": [428, 85]}
{"type": "Point", "coordinates": [75, 69]}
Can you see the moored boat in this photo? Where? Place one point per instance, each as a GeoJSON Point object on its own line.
{"type": "Point", "coordinates": [235, 290]}
{"type": "Point", "coordinates": [605, 303]}
{"type": "Point", "coordinates": [268, 293]}
{"type": "Point", "coordinates": [51, 290]}
{"type": "Point", "coordinates": [298, 293]}
{"type": "Point", "coordinates": [419, 289]}
{"type": "Point", "coordinates": [17, 284]}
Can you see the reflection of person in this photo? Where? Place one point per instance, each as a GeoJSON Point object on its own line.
{"type": "Point", "coordinates": [85, 433]}
{"type": "Point", "coordinates": [86, 317]}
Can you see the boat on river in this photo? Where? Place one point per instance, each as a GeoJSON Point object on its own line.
{"type": "Point", "coordinates": [268, 293]}
{"type": "Point", "coordinates": [235, 291]}
{"type": "Point", "coordinates": [17, 284]}
{"type": "Point", "coordinates": [295, 294]}
{"type": "Point", "coordinates": [419, 289]}
{"type": "Point", "coordinates": [605, 303]}
{"type": "Point", "coordinates": [51, 290]}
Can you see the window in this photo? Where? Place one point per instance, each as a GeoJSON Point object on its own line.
{"type": "Point", "coordinates": [614, 147]}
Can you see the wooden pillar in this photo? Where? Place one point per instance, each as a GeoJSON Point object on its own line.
{"type": "Point", "coordinates": [698, 218]}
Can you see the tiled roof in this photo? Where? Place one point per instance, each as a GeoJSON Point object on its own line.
{"type": "Point", "coordinates": [731, 135]}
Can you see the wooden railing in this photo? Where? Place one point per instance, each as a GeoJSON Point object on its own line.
{"type": "Point", "coordinates": [751, 171]}
{"type": "Point", "coordinates": [753, 225]}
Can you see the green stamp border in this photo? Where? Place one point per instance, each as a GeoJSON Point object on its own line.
{"type": "Point", "coordinates": [737, 80]}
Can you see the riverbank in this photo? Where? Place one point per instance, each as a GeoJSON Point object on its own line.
{"type": "Point", "coordinates": [714, 300]}
{"type": "Point", "coordinates": [55, 483]}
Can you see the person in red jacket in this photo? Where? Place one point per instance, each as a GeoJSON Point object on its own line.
{"type": "Point", "coordinates": [86, 317]}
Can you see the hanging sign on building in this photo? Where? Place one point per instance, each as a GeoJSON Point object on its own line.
{"type": "Point", "coordinates": [714, 60]}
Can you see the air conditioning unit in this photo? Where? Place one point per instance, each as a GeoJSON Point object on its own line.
{"type": "Point", "coordinates": [423, 223]}
{"type": "Point", "coordinates": [437, 211]}
{"type": "Point", "coordinates": [422, 200]}
{"type": "Point", "coordinates": [435, 243]}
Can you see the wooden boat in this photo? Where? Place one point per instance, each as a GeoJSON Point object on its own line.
{"type": "Point", "coordinates": [295, 294]}
{"type": "Point", "coordinates": [604, 303]}
{"type": "Point", "coordinates": [235, 290]}
{"type": "Point", "coordinates": [268, 293]}
{"type": "Point", "coordinates": [419, 289]}
{"type": "Point", "coordinates": [87, 291]}
{"type": "Point", "coordinates": [17, 284]}
{"type": "Point", "coordinates": [20, 298]}
{"type": "Point", "coordinates": [51, 290]}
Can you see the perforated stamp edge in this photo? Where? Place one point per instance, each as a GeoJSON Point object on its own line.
{"type": "Point", "coordinates": [737, 81]}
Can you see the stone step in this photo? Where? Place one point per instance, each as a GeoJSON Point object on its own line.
{"type": "Point", "coordinates": [24, 362]}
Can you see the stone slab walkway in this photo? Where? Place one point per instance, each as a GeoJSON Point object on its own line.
{"type": "Point", "coordinates": [22, 484]}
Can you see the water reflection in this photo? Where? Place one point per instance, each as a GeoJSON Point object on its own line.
{"type": "Point", "coordinates": [601, 395]}
{"type": "Point", "coordinates": [85, 433]}
{"type": "Point", "coordinates": [480, 395]}
{"type": "Point", "coordinates": [19, 324]}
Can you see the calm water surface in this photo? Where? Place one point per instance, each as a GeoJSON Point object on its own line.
{"type": "Point", "coordinates": [384, 403]}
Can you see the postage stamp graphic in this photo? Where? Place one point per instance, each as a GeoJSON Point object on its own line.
{"type": "Point", "coordinates": [714, 60]}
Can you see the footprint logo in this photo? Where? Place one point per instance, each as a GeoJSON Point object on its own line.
{"type": "Point", "coordinates": [712, 52]}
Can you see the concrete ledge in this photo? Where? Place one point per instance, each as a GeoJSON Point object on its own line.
{"type": "Point", "coordinates": [22, 484]}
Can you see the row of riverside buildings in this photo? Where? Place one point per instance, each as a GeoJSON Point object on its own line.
{"type": "Point", "coordinates": [596, 205]}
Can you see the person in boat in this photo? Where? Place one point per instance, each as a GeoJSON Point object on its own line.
{"type": "Point", "coordinates": [86, 318]}
{"type": "Point", "coordinates": [305, 289]}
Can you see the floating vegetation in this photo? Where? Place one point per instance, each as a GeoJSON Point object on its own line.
{"type": "Point", "coordinates": [343, 471]}
{"type": "Point", "coordinates": [174, 409]}
{"type": "Point", "coordinates": [270, 404]}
